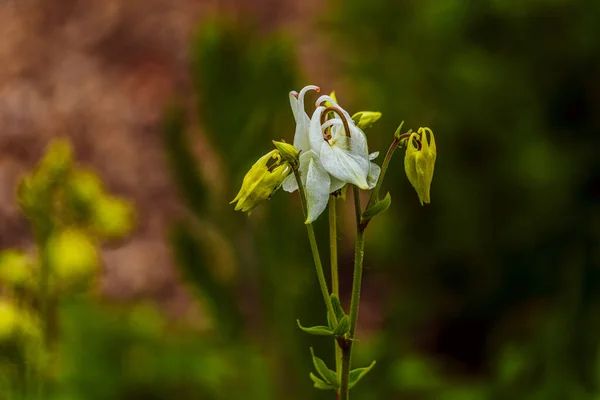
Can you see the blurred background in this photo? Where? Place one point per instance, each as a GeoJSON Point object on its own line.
{"type": "Point", "coordinates": [490, 292]}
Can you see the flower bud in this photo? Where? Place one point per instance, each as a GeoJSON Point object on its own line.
{"type": "Point", "coordinates": [112, 217]}
{"type": "Point", "coordinates": [57, 160]}
{"type": "Point", "coordinates": [288, 152]}
{"type": "Point", "coordinates": [261, 182]}
{"type": "Point", "coordinates": [420, 161]}
{"type": "Point", "coordinates": [365, 119]}
{"type": "Point", "coordinates": [15, 268]}
{"type": "Point", "coordinates": [9, 320]}
{"type": "Point", "coordinates": [73, 257]}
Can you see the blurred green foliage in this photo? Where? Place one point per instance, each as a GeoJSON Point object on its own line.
{"type": "Point", "coordinates": [491, 292]}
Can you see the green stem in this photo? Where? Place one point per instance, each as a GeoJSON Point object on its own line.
{"type": "Point", "coordinates": [335, 284]}
{"type": "Point", "coordinates": [356, 285]}
{"type": "Point", "coordinates": [386, 162]}
{"type": "Point", "coordinates": [45, 317]}
{"type": "Point", "coordinates": [315, 251]}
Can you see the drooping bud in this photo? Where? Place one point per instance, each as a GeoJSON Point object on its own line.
{"type": "Point", "coordinates": [15, 268]}
{"type": "Point", "coordinates": [288, 152]}
{"type": "Point", "coordinates": [365, 119]}
{"type": "Point", "coordinates": [261, 181]}
{"type": "Point", "coordinates": [419, 162]}
{"type": "Point", "coordinates": [73, 258]}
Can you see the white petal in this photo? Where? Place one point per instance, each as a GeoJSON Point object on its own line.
{"type": "Point", "coordinates": [359, 137]}
{"type": "Point", "coordinates": [315, 134]}
{"type": "Point", "coordinates": [317, 189]}
{"type": "Point", "coordinates": [373, 156]}
{"type": "Point", "coordinates": [373, 176]}
{"type": "Point", "coordinates": [289, 184]}
{"type": "Point", "coordinates": [336, 184]}
{"type": "Point", "coordinates": [346, 160]}
{"type": "Point", "coordinates": [301, 142]}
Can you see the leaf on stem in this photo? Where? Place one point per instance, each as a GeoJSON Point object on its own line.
{"type": "Point", "coordinates": [378, 208]}
{"type": "Point", "coordinates": [328, 375]}
{"type": "Point", "coordinates": [337, 307]}
{"type": "Point", "coordinates": [343, 326]}
{"type": "Point", "coordinates": [357, 374]}
{"type": "Point", "coordinates": [319, 330]}
{"type": "Point", "coordinates": [320, 384]}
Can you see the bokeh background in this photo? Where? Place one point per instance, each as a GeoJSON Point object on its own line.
{"type": "Point", "coordinates": [490, 292]}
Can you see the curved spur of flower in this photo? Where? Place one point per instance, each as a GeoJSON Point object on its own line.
{"type": "Point", "coordinates": [301, 117]}
{"type": "Point", "coordinates": [261, 182]}
{"type": "Point", "coordinates": [420, 161]}
{"type": "Point", "coordinates": [344, 156]}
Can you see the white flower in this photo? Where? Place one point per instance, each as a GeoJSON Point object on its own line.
{"type": "Point", "coordinates": [332, 154]}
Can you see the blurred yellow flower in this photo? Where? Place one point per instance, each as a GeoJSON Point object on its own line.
{"type": "Point", "coordinates": [73, 257]}
{"type": "Point", "coordinates": [9, 320]}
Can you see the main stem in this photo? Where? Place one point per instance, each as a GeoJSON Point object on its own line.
{"type": "Point", "coordinates": [315, 251]}
{"type": "Point", "coordinates": [359, 253]}
{"type": "Point", "coordinates": [335, 284]}
{"type": "Point", "coordinates": [354, 302]}
{"type": "Point", "coordinates": [45, 317]}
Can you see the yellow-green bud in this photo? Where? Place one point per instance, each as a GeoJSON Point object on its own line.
{"type": "Point", "coordinates": [58, 158]}
{"type": "Point", "coordinates": [419, 162]}
{"type": "Point", "coordinates": [73, 257]}
{"type": "Point", "coordinates": [15, 268]}
{"type": "Point", "coordinates": [288, 152]}
{"type": "Point", "coordinates": [9, 320]}
{"type": "Point", "coordinates": [85, 186]}
{"type": "Point", "coordinates": [261, 182]}
{"type": "Point", "coordinates": [398, 133]}
{"type": "Point", "coordinates": [365, 119]}
{"type": "Point", "coordinates": [112, 217]}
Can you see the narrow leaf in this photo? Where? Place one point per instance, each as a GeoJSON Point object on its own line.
{"type": "Point", "coordinates": [357, 374]}
{"type": "Point", "coordinates": [337, 307]}
{"type": "Point", "coordinates": [343, 326]}
{"type": "Point", "coordinates": [319, 384]}
{"type": "Point", "coordinates": [318, 330]}
{"type": "Point", "coordinates": [378, 208]}
{"type": "Point", "coordinates": [328, 375]}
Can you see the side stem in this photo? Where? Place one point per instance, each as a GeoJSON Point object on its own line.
{"type": "Point", "coordinates": [315, 251]}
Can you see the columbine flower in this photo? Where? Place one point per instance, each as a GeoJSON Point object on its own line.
{"type": "Point", "coordinates": [419, 162]}
{"type": "Point", "coordinates": [261, 181]}
{"type": "Point", "coordinates": [335, 152]}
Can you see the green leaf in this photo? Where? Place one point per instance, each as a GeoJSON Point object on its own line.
{"type": "Point", "coordinates": [319, 384]}
{"type": "Point", "coordinates": [318, 330]}
{"type": "Point", "coordinates": [343, 326]}
{"type": "Point", "coordinates": [337, 307]}
{"type": "Point", "coordinates": [357, 374]}
{"type": "Point", "coordinates": [328, 375]}
{"type": "Point", "coordinates": [378, 208]}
